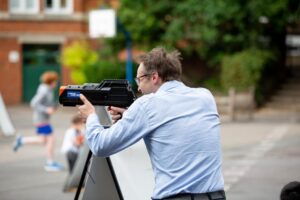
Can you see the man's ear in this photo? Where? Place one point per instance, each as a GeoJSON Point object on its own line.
{"type": "Point", "coordinates": [156, 79]}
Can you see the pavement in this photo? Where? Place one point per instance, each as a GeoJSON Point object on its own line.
{"type": "Point", "coordinates": [259, 157]}
{"type": "Point", "coordinates": [22, 174]}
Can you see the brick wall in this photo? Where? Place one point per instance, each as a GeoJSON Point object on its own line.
{"type": "Point", "coordinates": [65, 71]}
{"type": "Point", "coordinates": [92, 4]}
{"type": "Point", "coordinates": [10, 73]}
{"type": "Point", "coordinates": [43, 26]}
{"type": "Point", "coordinates": [3, 5]}
{"type": "Point", "coordinates": [14, 27]}
{"type": "Point", "coordinates": [79, 5]}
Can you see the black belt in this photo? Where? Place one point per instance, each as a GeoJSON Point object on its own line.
{"type": "Point", "coordinates": [201, 196]}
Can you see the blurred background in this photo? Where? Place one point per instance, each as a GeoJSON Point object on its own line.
{"type": "Point", "coordinates": [246, 52]}
{"type": "Point", "coordinates": [224, 44]}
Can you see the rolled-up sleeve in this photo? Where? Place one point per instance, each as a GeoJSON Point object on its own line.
{"type": "Point", "coordinates": [133, 126]}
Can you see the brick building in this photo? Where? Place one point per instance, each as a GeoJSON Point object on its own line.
{"type": "Point", "coordinates": [32, 35]}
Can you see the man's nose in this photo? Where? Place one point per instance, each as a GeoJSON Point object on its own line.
{"type": "Point", "coordinates": [139, 89]}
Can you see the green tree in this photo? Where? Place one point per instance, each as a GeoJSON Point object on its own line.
{"type": "Point", "coordinates": [243, 70]}
{"type": "Point", "coordinates": [211, 29]}
{"type": "Point", "coordinates": [208, 27]}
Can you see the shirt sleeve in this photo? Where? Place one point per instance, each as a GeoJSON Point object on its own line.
{"type": "Point", "coordinates": [130, 129]}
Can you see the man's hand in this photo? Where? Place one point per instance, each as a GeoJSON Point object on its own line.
{"type": "Point", "coordinates": [115, 113]}
{"type": "Point", "coordinates": [87, 108]}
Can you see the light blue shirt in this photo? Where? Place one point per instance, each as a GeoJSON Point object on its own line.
{"type": "Point", "coordinates": [181, 129]}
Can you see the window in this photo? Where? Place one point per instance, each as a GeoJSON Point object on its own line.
{"type": "Point", "coordinates": [58, 6]}
{"type": "Point", "coordinates": [24, 6]}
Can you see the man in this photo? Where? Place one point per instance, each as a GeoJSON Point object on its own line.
{"type": "Point", "coordinates": [179, 125]}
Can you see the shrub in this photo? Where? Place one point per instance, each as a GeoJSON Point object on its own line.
{"type": "Point", "coordinates": [104, 70]}
{"type": "Point", "coordinates": [87, 65]}
{"type": "Point", "coordinates": [243, 70]}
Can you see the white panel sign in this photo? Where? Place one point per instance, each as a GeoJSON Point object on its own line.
{"type": "Point", "coordinates": [132, 168]}
{"type": "Point", "coordinates": [13, 56]}
{"type": "Point", "coordinates": [134, 172]}
{"type": "Point", "coordinates": [102, 23]}
{"type": "Point", "coordinates": [5, 123]}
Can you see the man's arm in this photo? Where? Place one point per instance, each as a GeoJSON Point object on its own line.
{"type": "Point", "coordinates": [130, 129]}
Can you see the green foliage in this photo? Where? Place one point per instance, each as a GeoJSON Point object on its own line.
{"type": "Point", "coordinates": [78, 76]}
{"type": "Point", "coordinates": [214, 84]}
{"type": "Point", "coordinates": [78, 56]}
{"type": "Point", "coordinates": [104, 69]}
{"type": "Point", "coordinates": [271, 79]}
{"type": "Point", "coordinates": [211, 28]}
{"type": "Point", "coordinates": [88, 66]}
{"type": "Point", "coordinates": [243, 70]}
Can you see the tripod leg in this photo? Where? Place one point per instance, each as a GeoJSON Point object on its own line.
{"type": "Point", "coordinates": [83, 175]}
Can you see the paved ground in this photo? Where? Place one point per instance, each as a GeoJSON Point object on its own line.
{"type": "Point", "coordinates": [259, 157]}
{"type": "Point", "coordinates": [22, 175]}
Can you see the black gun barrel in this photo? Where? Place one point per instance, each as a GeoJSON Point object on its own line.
{"type": "Point", "coordinates": [115, 92]}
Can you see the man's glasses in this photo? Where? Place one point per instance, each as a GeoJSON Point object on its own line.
{"type": "Point", "coordinates": [139, 78]}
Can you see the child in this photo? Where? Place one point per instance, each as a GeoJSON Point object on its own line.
{"type": "Point", "coordinates": [72, 141]}
{"type": "Point", "coordinates": [43, 106]}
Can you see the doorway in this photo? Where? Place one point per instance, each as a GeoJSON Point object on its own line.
{"type": "Point", "coordinates": [38, 59]}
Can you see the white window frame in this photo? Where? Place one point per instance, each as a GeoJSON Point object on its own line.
{"type": "Point", "coordinates": [22, 7]}
{"type": "Point", "coordinates": [57, 9]}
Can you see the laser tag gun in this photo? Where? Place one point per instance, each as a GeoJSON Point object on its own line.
{"type": "Point", "coordinates": [116, 92]}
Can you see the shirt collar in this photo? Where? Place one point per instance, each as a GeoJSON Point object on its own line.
{"type": "Point", "coordinates": [169, 85]}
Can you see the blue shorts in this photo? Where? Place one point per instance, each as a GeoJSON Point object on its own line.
{"type": "Point", "coordinates": [45, 129]}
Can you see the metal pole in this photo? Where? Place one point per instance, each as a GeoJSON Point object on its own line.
{"type": "Point", "coordinates": [129, 73]}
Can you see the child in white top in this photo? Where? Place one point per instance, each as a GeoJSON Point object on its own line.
{"type": "Point", "coordinates": [73, 140]}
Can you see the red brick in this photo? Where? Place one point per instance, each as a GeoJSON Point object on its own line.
{"type": "Point", "coordinates": [11, 73]}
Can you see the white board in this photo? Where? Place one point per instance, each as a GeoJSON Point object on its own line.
{"type": "Point", "coordinates": [131, 166]}
{"type": "Point", "coordinates": [102, 23]}
{"type": "Point", "coordinates": [5, 122]}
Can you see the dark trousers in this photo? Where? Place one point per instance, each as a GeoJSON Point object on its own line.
{"type": "Point", "coordinates": [71, 157]}
{"type": "Point", "coordinates": [218, 195]}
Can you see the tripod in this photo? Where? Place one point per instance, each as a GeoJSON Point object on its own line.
{"type": "Point", "coordinates": [85, 171]}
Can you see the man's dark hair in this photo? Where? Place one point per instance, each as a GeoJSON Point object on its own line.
{"type": "Point", "coordinates": [291, 191]}
{"type": "Point", "coordinates": [167, 65]}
